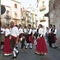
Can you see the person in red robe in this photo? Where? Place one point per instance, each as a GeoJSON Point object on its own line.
{"type": "Point", "coordinates": [6, 49]}
{"type": "Point", "coordinates": [41, 47]}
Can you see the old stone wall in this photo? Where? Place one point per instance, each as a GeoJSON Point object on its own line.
{"type": "Point", "coordinates": [55, 15]}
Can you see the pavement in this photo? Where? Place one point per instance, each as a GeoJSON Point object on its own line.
{"type": "Point", "coordinates": [53, 54]}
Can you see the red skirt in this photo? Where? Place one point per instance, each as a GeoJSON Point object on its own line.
{"type": "Point", "coordinates": [41, 45]}
{"type": "Point", "coordinates": [55, 38]}
{"type": "Point", "coordinates": [31, 39]}
{"type": "Point", "coordinates": [21, 35]}
{"type": "Point", "coordinates": [7, 49]}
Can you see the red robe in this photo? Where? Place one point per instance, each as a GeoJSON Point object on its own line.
{"type": "Point", "coordinates": [41, 45]}
{"type": "Point", "coordinates": [7, 48]}
{"type": "Point", "coordinates": [55, 38]}
{"type": "Point", "coordinates": [31, 39]}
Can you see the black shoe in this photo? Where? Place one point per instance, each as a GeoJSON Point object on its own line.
{"type": "Point", "coordinates": [16, 47]}
{"type": "Point", "coordinates": [50, 46]}
{"type": "Point", "coordinates": [30, 48]}
{"type": "Point", "coordinates": [54, 47]}
{"type": "Point", "coordinates": [25, 48]}
{"type": "Point", "coordinates": [17, 54]}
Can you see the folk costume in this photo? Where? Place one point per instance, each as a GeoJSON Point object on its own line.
{"type": "Point", "coordinates": [14, 39]}
{"type": "Point", "coordinates": [7, 49]}
{"type": "Point", "coordinates": [54, 31]}
{"type": "Point", "coordinates": [41, 47]}
{"type": "Point", "coordinates": [22, 38]}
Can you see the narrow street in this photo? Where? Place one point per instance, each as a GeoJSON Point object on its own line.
{"type": "Point", "coordinates": [53, 54]}
{"type": "Point", "coordinates": [34, 12]}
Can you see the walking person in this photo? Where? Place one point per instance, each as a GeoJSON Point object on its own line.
{"type": "Point", "coordinates": [7, 49]}
{"type": "Point", "coordinates": [30, 38]}
{"type": "Point", "coordinates": [54, 31]}
{"type": "Point", "coordinates": [46, 34]}
{"type": "Point", "coordinates": [50, 36]}
{"type": "Point", "coordinates": [22, 37]}
{"type": "Point", "coordinates": [26, 30]}
{"type": "Point", "coordinates": [41, 47]}
{"type": "Point", "coordinates": [14, 39]}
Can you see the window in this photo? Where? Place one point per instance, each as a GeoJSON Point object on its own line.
{"type": "Point", "coordinates": [15, 5]}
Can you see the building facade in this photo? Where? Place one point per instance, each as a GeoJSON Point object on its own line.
{"type": "Point", "coordinates": [13, 11]}
{"type": "Point", "coordinates": [55, 15]}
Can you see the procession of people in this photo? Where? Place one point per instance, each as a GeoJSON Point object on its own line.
{"type": "Point", "coordinates": [27, 36]}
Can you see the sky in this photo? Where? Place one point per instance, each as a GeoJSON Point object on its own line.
{"type": "Point", "coordinates": [28, 3]}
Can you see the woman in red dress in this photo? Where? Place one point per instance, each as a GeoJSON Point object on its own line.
{"type": "Point", "coordinates": [41, 47]}
{"type": "Point", "coordinates": [7, 50]}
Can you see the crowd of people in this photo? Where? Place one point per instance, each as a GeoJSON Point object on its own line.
{"type": "Point", "coordinates": [12, 34]}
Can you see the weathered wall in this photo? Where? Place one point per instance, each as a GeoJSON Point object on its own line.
{"type": "Point", "coordinates": [55, 15]}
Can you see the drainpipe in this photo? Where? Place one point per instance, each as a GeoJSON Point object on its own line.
{"type": "Point", "coordinates": [49, 12]}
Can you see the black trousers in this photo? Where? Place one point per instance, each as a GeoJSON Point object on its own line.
{"type": "Point", "coordinates": [50, 39]}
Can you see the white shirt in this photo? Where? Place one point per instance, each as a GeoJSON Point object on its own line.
{"type": "Point", "coordinates": [49, 30]}
{"type": "Point", "coordinates": [20, 30]}
{"type": "Point", "coordinates": [7, 32]}
{"type": "Point", "coordinates": [33, 31]}
{"type": "Point", "coordinates": [41, 31]}
{"type": "Point", "coordinates": [14, 31]}
{"type": "Point", "coordinates": [55, 31]}
{"type": "Point", "coordinates": [30, 31]}
{"type": "Point", "coordinates": [25, 30]}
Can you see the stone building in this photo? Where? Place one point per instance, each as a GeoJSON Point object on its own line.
{"type": "Point", "coordinates": [55, 15]}
{"type": "Point", "coordinates": [13, 11]}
